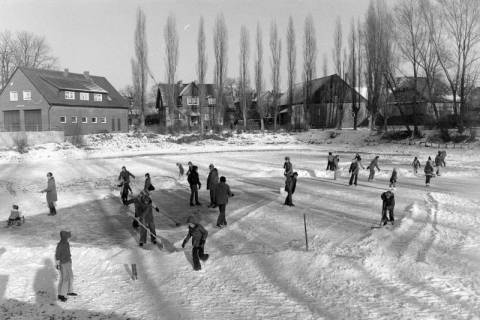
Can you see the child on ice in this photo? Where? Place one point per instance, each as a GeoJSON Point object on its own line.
{"type": "Point", "coordinates": [415, 165]}
{"type": "Point", "coordinates": [15, 217]}
{"type": "Point", "coordinates": [393, 178]}
{"type": "Point", "coordinates": [199, 235]}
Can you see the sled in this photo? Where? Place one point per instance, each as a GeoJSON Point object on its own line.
{"type": "Point", "coordinates": [16, 223]}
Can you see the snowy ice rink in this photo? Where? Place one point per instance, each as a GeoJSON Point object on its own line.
{"type": "Point", "coordinates": [426, 267]}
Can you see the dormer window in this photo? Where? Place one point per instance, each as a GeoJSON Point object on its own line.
{"type": "Point", "coordinates": [97, 97]}
{"type": "Point", "coordinates": [192, 101]}
{"type": "Point", "coordinates": [13, 96]}
{"type": "Point", "coordinates": [69, 95]}
{"type": "Point", "coordinates": [84, 96]}
{"type": "Point", "coordinates": [27, 95]}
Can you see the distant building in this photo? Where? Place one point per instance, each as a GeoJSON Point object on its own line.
{"type": "Point", "coordinates": [42, 100]}
{"type": "Point", "coordinates": [328, 95]}
{"type": "Point", "coordinates": [190, 109]}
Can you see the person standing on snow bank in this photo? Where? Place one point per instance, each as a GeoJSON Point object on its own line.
{"type": "Point", "coordinates": [372, 166]}
{"type": "Point", "coordinates": [438, 162]}
{"type": "Point", "coordinates": [355, 169]}
{"type": "Point", "coordinates": [393, 178]}
{"type": "Point", "coordinates": [428, 171]}
{"type": "Point", "coordinates": [147, 220]}
{"type": "Point", "coordinates": [290, 186]}
{"type": "Point", "coordinates": [222, 194]}
{"type": "Point", "coordinates": [195, 185]}
{"type": "Point", "coordinates": [330, 162]}
{"type": "Point", "coordinates": [336, 160]}
{"type": "Point", "coordinates": [124, 178]}
{"type": "Point", "coordinates": [199, 236]}
{"type": "Point", "coordinates": [416, 165]}
{"type": "Point", "coordinates": [388, 199]}
{"type": "Point", "coordinates": [63, 260]}
{"type": "Point", "coordinates": [51, 191]}
{"type": "Point", "coordinates": [212, 182]}
{"type": "Point", "coordinates": [180, 170]}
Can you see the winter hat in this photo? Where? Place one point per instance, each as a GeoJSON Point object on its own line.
{"type": "Point", "coordinates": [15, 207]}
{"type": "Point", "coordinates": [223, 179]}
{"type": "Point", "coordinates": [429, 158]}
{"type": "Point", "coordinates": [64, 235]}
{"type": "Point", "coordinates": [192, 219]}
{"type": "Point", "coordinates": [287, 158]}
{"type": "Point", "coordinates": [295, 174]}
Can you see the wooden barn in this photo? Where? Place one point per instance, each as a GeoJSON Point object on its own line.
{"type": "Point", "coordinates": [330, 101]}
{"type": "Point", "coordinates": [47, 100]}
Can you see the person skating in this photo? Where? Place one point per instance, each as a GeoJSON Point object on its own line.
{"type": "Point", "coordinates": [199, 236]}
{"type": "Point", "coordinates": [124, 178]}
{"type": "Point", "coordinates": [388, 199]}
{"type": "Point", "coordinates": [330, 159]}
{"type": "Point", "coordinates": [139, 207]}
{"type": "Point", "coordinates": [51, 191]}
{"type": "Point", "coordinates": [393, 178]}
{"type": "Point", "coordinates": [147, 220]}
{"type": "Point", "coordinates": [336, 160]}
{"type": "Point", "coordinates": [212, 182]}
{"type": "Point", "coordinates": [416, 165]}
{"type": "Point", "coordinates": [428, 171]}
{"type": "Point", "coordinates": [195, 185]}
{"type": "Point", "coordinates": [288, 167]}
{"type": "Point", "coordinates": [148, 183]}
{"type": "Point", "coordinates": [290, 185]}
{"type": "Point", "coordinates": [355, 169]}
{"type": "Point", "coordinates": [63, 260]}
{"type": "Point", "coordinates": [372, 166]}
{"type": "Point", "coordinates": [180, 170]}
{"type": "Point", "coordinates": [438, 162]}
{"type": "Point", "coordinates": [222, 194]}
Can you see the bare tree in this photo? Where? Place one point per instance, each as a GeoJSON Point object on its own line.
{"type": "Point", "coordinates": [201, 70]}
{"type": "Point", "coordinates": [135, 94]}
{"type": "Point", "coordinates": [309, 64]}
{"type": "Point", "coordinates": [170, 36]}
{"type": "Point", "coordinates": [337, 47]}
{"type": "Point", "coordinates": [291, 66]}
{"type": "Point", "coordinates": [353, 73]}
{"type": "Point", "coordinates": [220, 37]}
{"type": "Point", "coordinates": [141, 63]}
{"type": "Point", "coordinates": [7, 56]}
{"type": "Point", "coordinates": [244, 76]}
{"type": "Point", "coordinates": [325, 65]}
{"type": "Point", "coordinates": [275, 59]}
{"type": "Point", "coordinates": [259, 76]}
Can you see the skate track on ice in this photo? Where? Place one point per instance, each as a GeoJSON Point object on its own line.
{"type": "Point", "coordinates": [426, 267]}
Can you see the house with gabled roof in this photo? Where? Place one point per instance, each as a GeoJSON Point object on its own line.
{"type": "Point", "coordinates": [49, 100]}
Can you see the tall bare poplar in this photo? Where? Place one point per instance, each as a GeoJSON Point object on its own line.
{"type": "Point", "coordinates": [275, 59]}
{"type": "Point", "coordinates": [141, 63]}
{"type": "Point", "coordinates": [201, 71]}
{"type": "Point", "coordinates": [291, 66]}
{"type": "Point", "coordinates": [337, 47]}
{"type": "Point", "coordinates": [353, 72]}
{"type": "Point", "coordinates": [220, 37]}
{"type": "Point", "coordinates": [309, 64]}
{"type": "Point", "coordinates": [170, 36]}
{"type": "Point", "coordinates": [244, 76]}
{"type": "Point", "coordinates": [259, 76]}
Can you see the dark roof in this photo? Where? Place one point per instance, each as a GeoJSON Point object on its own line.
{"type": "Point", "coordinates": [317, 84]}
{"type": "Point", "coordinates": [193, 89]}
{"type": "Point", "coordinates": [52, 84]}
{"type": "Point", "coordinates": [404, 86]}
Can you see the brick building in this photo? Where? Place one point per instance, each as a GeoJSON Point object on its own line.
{"type": "Point", "coordinates": [43, 100]}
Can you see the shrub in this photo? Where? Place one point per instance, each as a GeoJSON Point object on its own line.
{"type": "Point", "coordinates": [21, 143]}
{"type": "Point", "coordinates": [75, 137]}
{"type": "Point", "coordinates": [396, 135]}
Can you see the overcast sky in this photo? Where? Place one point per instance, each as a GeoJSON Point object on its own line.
{"type": "Point", "coordinates": [97, 35]}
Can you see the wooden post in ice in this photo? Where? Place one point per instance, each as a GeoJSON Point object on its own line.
{"type": "Point", "coordinates": [305, 225]}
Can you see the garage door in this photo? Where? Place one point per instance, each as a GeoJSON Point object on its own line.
{"type": "Point", "coordinates": [33, 120]}
{"type": "Point", "coordinates": [11, 120]}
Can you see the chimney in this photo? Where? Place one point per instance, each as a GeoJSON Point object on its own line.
{"type": "Point", "coordinates": [65, 72]}
{"type": "Point", "coordinates": [86, 74]}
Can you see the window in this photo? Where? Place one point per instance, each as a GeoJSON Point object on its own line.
{"type": "Point", "coordinates": [211, 101]}
{"type": "Point", "coordinates": [192, 101]}
{"type": "Point", "coordinates": [84, 119]}
{"type": "Point", "coordinates": [97, 97]}
{"type": "Point", "coordinates": [103, 119]}
{"type": "Point", "coordinates": [69, 95]}
{"type": "Point", "coordinates": [119, 127]}
{"type": "Point", "coordinates": [74, 119]}
{"type": "Point", "coordinates": [206, 117]}
{"type": "Point", "coordinates": [94, 120]}
{"type": "Point", "coordinates": [13, 96]}
{"type": "Point", "coordinates": [85, 96]}
{"type": "Point", "coordinates": [113, 124]}
{"type": "Point", "coordinates": [63, 119]}
{"type": "Point", "coordinates": [27, 95]}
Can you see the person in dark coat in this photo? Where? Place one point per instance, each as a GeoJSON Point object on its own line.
{"type": "Point", "coordinates": [124, 178]}
{"type": "Point", "coordinates": [416, 165]}
{"type": "Point", "coordinates": [438, 162]}
{"type": "Point", "coordinates": [148, 186]}
{"type": "Point", "coordinates": [190, 166]}
{"type": "Point", "coordinates": [290, 185]}
{"type": "Point", "coordinates": [139, 208]}
{"type": "Point", "coordinates": [288, 167]}
{"type": "Point", "coordinates": [212, 182]}
{"type": "Point", "coordinates": [354, 170]}
{"type": "Point", "coordinates": [393, 178]}
{"type": "Point", "coordinates": [147, 220]}
{"type": "Point", "coordinates": [180, 170]}
{"type": "Point", "coordinates": [428, 171]}
{"type": "Point", "coordinates": [371, 167]}
{"type": "Point", "coordinates": [199, 236]}
{"type": "Point", "coordinates": [195, 185]}
{"type": "Point", "coordinates": [388, 204]}
{"type": "Point", "coordinates": [330, 159]}
{"type": "Point", "coordinates": [63, 260]}
{"type": "Point", "coordinates": [336, 160]}
{"type": "Point", "coordinates": [51, 191]}
{"type": "Point", "coordinates": [221, 199]}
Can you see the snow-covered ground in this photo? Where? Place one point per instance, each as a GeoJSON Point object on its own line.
{"type": "Point", "coordinates": [426, 267]}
